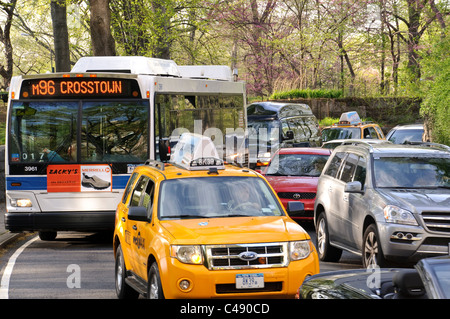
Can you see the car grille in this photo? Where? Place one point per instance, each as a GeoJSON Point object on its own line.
{"type": "Point", "coordinates": [296, 195]}
{"type": "Point", "coordinates": [437, 221]}
{"type": "Point", "coordinates": [227, 256]}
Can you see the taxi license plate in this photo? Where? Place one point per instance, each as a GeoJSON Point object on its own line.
{"type": "Point", "coordinates": [249, 281]}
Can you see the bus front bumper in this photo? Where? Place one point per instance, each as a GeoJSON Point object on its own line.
{"type": "Point", "coordinates": [60, 221]}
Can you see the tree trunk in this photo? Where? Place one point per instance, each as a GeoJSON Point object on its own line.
{"type": "Point", "coordinates": [102, 40]}
{"type": "Point", "coordinates": [414, 12]}
{"type": "Point", "coordinates": [162, 30]}
{"type": "Point", "coordinates": [60, 35]}
{"type": "Point", "coordinates": [5, 39]}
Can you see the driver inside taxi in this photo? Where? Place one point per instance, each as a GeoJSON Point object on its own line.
{"type": "Point", "coordinates": [245, 198]}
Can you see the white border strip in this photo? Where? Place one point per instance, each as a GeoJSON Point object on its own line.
{"type": "Point", "coordinates": [4, 284]}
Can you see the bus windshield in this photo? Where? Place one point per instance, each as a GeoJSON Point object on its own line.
{"type": "Point", "coordinates": [76, 131]}
{"type": "Point", "coordinates": [220, 116]}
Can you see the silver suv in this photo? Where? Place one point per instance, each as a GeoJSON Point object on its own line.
{"type": "Point", "coordinates": [385, 202]}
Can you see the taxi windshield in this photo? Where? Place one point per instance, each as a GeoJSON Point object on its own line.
{"type": "Point", "coordinates": [216, 197]}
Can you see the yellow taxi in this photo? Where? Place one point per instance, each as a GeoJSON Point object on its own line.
{"type": "Point", "coordinates": [199, 228]}
{"type": "Point", "coordinates": [350, 126]}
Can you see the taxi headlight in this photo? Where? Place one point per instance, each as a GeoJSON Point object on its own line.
{"type": "Point", "coordinates": [187, 254]}
{"type": "Point", "coordinates": [394, 214]}
{"type": "Point", "coordinates": [299, 249]}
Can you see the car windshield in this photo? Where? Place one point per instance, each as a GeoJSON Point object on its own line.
{"type": "Point", "coordinates": [405, 136]}
{"type": "Point", "coordinates": [297, 165]}
{"type": "Point", "coordinates": [335, 133]}
{"type": "Point", "coordinates": [412, 172]}
{"type": "Point", "coordinates": [215, 197]}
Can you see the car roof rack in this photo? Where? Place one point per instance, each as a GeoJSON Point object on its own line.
{"type": "Point", "coordinates": [429, 144]}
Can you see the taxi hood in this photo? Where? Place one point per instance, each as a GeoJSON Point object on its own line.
{"type": "Point", "coordinates": [234, 230]}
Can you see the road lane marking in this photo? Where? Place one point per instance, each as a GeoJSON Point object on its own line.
{"type": "Point", "coordinates": [4, 284]}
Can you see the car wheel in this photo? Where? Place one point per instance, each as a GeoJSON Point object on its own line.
{"type": "Point", "coordinates": [123, 291]}
{"type": "Point", "coordinates": [372, 252]}
{"type": "Point", "coordinates": [325, 251]}
{"type": "Point", "coordinates": [154, 283]}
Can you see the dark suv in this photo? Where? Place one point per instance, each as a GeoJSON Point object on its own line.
{"type": "Point", "coordinates": [385, 202]}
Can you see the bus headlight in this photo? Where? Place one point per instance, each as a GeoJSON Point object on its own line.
{"type": "Point", "coordinates": [187, 254]}
{"type": "Point", "coordinates": [299, 249]}
{"type": "Point", "coordinates": [22, 202]}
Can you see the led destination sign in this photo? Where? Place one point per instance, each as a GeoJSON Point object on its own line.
{"type": "Point", "coordinates": [80, 87]}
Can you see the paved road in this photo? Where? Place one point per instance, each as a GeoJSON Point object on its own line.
{"type": "Point", "coordinates": [76, 265]}
{"type": "Point", "coordinates": [347, 261]}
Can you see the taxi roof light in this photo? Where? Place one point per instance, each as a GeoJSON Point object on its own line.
{"type": "Point", "coordinates": [196, 152]}
{"type": "Point", "coordinates": [350, 118]}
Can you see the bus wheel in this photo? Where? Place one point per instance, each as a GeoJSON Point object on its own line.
{"type": "Point", "coordinates": [47, 235]}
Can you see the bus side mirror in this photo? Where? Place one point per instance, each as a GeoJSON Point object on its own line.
{"type": "Point", "coordinates": [164, 150]}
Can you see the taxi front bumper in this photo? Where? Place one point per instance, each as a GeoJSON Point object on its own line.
{"type": "Point", "coordinates": [282, 282]}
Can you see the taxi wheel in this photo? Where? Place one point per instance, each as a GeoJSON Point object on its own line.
{"type": "Point", "coordinates": [154, 283]}
{"type": "Point", "coordinates": [122, 289]}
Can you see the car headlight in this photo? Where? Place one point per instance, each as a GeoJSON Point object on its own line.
{"type": "Point", "coordinates": [394, 214]}
{"type": "Point", "coordinates": [187, 254]}
{"type": "Point", "coordinates": [299, 249]}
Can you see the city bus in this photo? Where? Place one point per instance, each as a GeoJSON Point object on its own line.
{"type": "Point", "coordinates": [74, 138]}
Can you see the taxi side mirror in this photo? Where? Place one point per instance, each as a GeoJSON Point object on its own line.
{"type": "Point", "coordinates": [295, 208]}
{"type": "Point", "coordinates": [137, 213]}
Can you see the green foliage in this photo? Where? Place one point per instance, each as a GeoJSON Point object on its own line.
{"type": "Point", "coordinates": [436, 103]}
{"type": "Point", "coordinates": [328, 121]}
{"type": "Point", "coordinates": [306, 94]}
{"type": "Point", "coordinates": [2, 133]}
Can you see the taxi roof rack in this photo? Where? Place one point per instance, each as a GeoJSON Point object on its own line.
{"type": "Point", "coordinates": [156, 164]}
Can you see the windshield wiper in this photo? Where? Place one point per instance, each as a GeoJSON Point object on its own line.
{"type": "Point", "coordinates": [185, 217]}
{"type": "Point", "coordinates": [238, 215]}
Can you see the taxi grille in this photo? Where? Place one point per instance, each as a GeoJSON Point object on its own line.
{"type": "Point", "coordinates": [267, 255]}
{"type": "Point", "coordinates": [437, 221]}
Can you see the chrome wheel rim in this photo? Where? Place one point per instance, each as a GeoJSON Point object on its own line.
{"type": "Point", "coordinates": [371, 250]}
{"type": "Point", "coordinates": [321, 236]}
{"type": "Point", "coordinates": [154, 293]}
{"type": "Point", "coordinates": [119, 272]}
